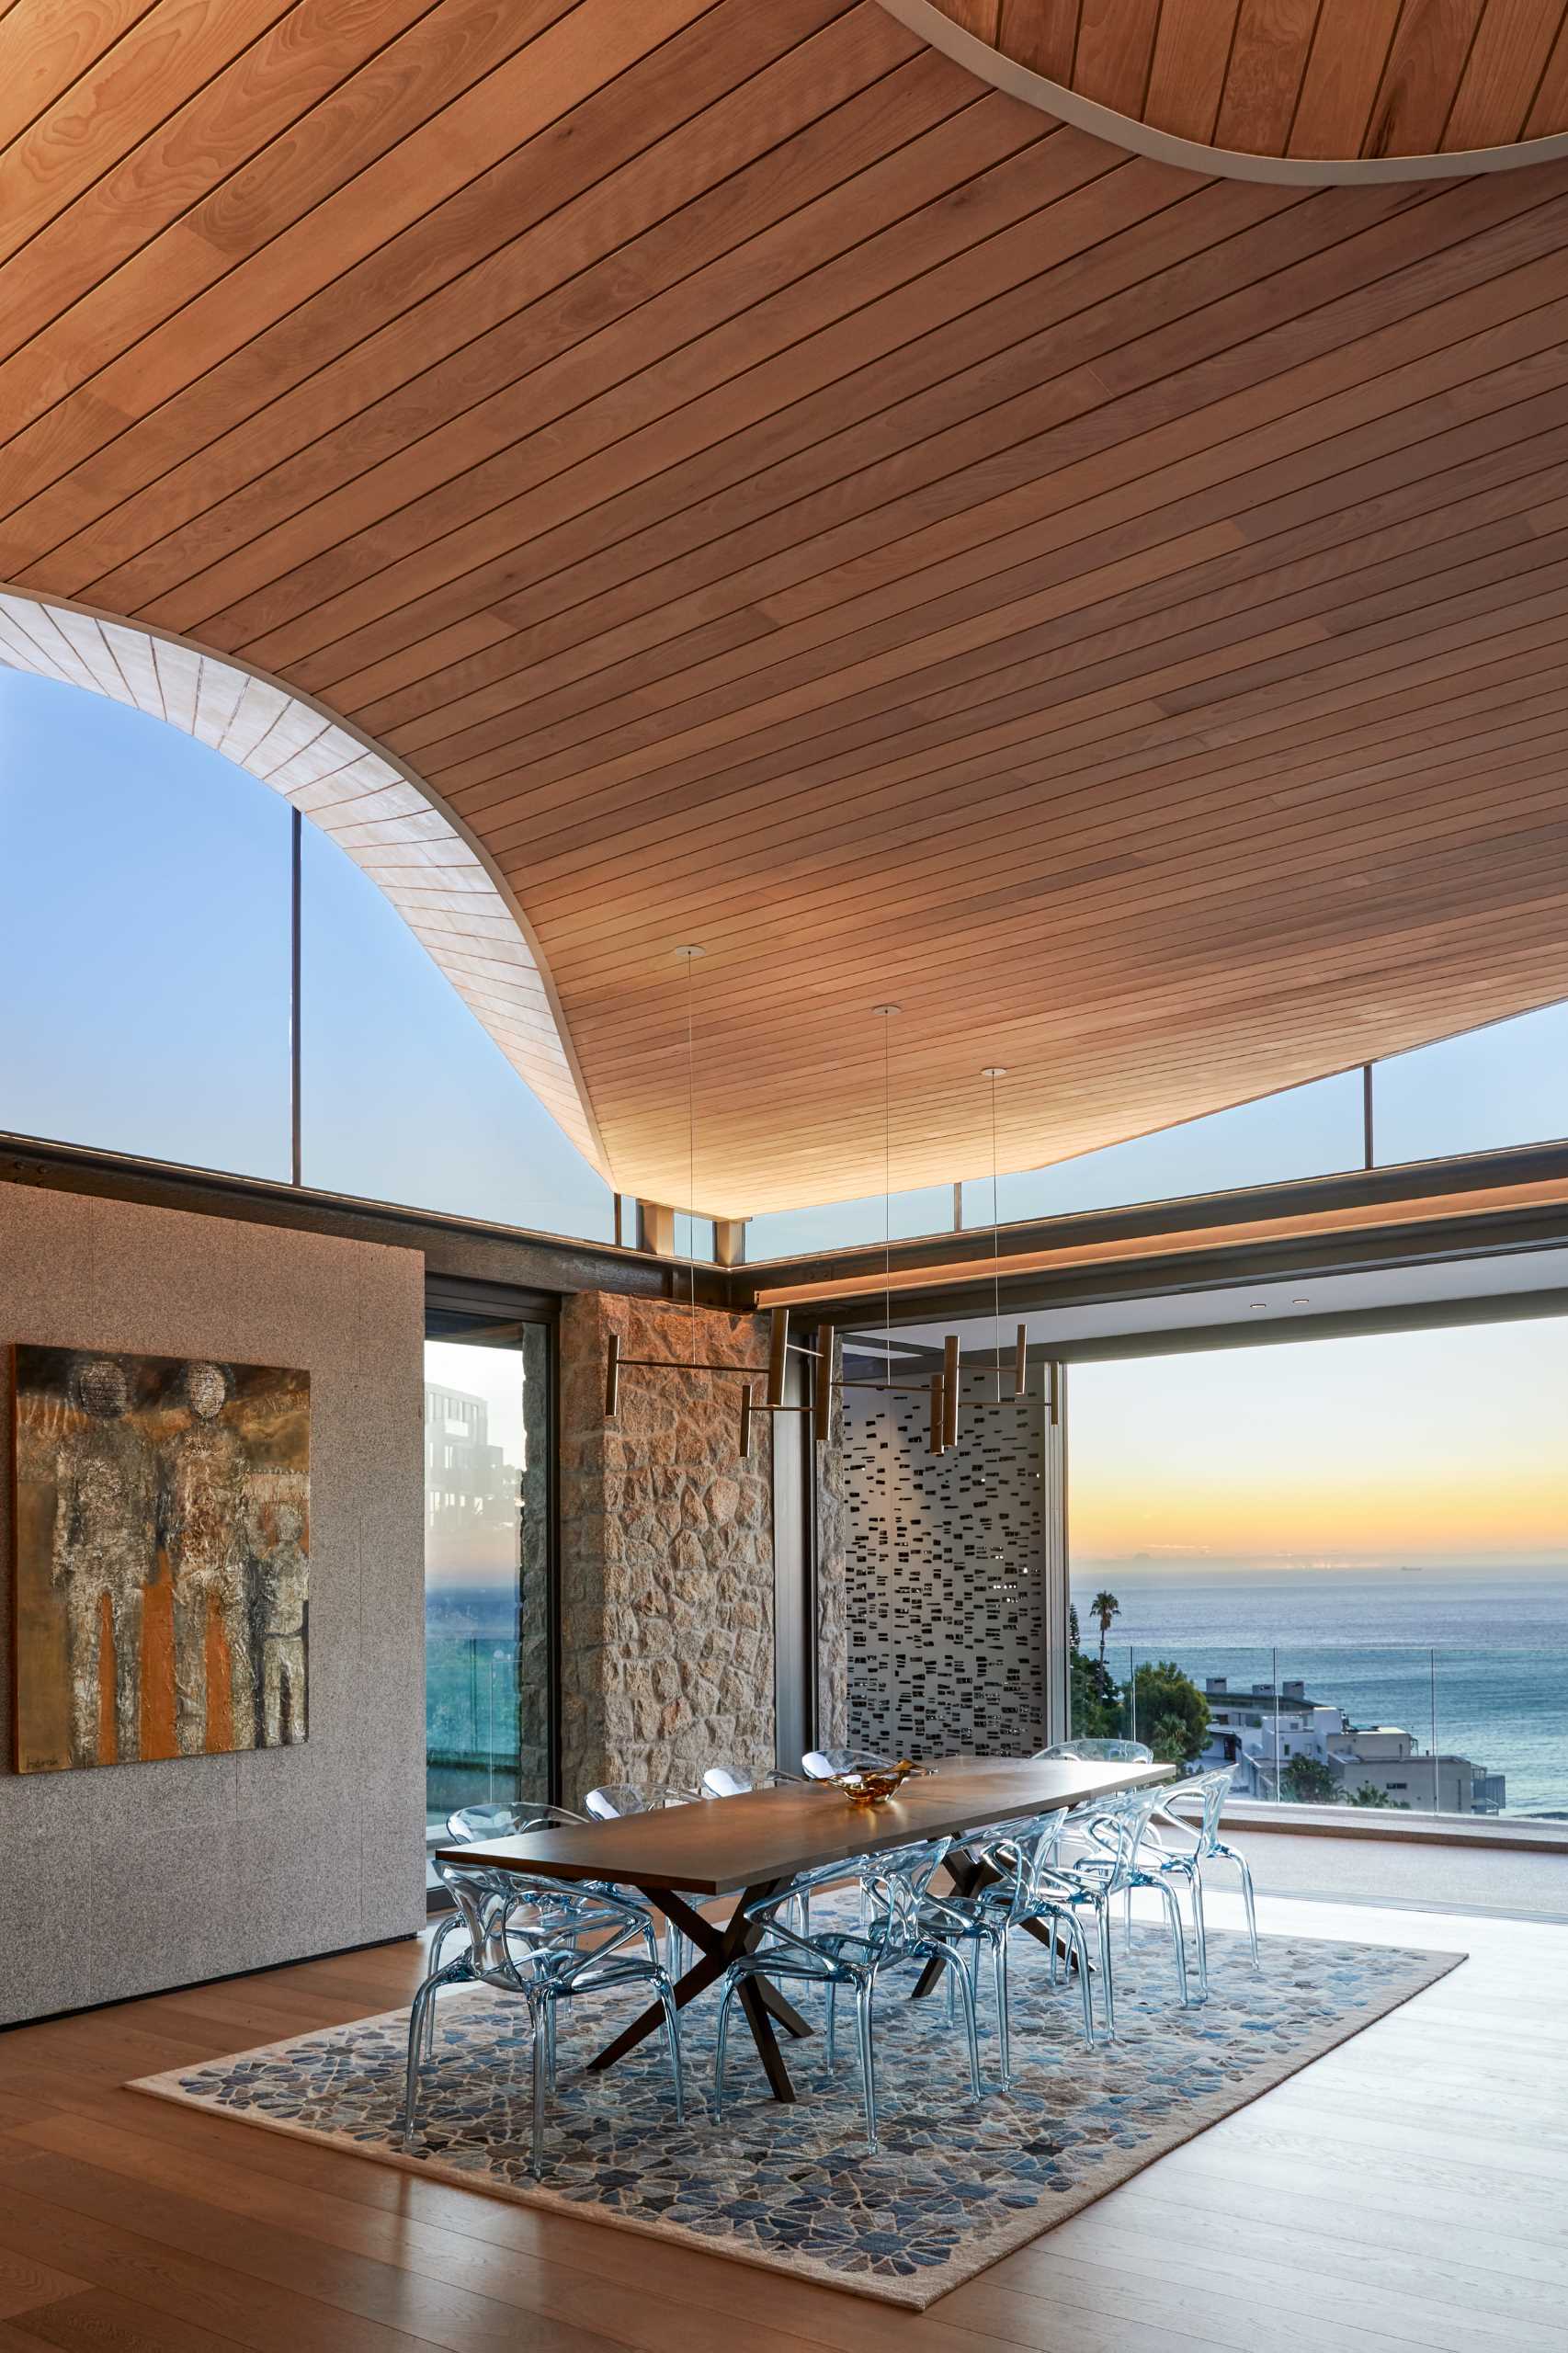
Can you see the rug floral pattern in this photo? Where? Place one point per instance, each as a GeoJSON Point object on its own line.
{"type": "Point", "coordinates": [955, 2185]}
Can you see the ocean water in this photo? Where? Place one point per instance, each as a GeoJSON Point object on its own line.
{"type": "Point", "coordinates": [1480, 1660]}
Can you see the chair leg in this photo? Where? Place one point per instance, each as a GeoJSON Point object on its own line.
{"type": "Point", "coordinates": [423, 2004]}
{"type": "Point", "coordinates": [1179, 1940]}
{"type": "Point", "coordinates": [672, 2044]}
{"type": "Point", "coordinates": [1004, 2038]}
{"type": "Point", "coordinates": [537, 2008]}
{"type": "Point", "coordinates": [865, 1993]}
{"type": "Point", "coordinates": [957, 1970]}
{"type": "Point", "coordinates": [1079, 1944]}
{"type": "Point", "coordinates": [549, 2043]}
{"type": "Point", "coordinates": [831, 2021]}
{"type": "Point", "coordinates": [1102, 1914]}
{"type": "Point", "coordinates": [1251, 1901]}
{"type": "Point", "coordinates": [721, 2042]}
{"type": "Point", "coordinates": [1127, 1920]}
{"type": "Point", "coordinates": [1200, 1932]}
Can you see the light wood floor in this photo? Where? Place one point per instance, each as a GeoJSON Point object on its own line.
{"type": "Point", "coordinates": [1411, 2189]}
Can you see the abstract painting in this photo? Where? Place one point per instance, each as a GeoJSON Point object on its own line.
{"type": "Point", "coordinates": [163, 1557]}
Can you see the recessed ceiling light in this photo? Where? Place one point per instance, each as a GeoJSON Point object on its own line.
{"type": "Point", "coordinates": [1300, 1302]}
{"type": "Point", "coordinates": [1259, 1306]}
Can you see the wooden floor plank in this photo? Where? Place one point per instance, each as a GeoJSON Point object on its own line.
{"type": "Point", "coordinates": [1353, 2210]}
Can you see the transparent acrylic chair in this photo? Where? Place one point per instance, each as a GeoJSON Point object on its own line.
{"type": "Point", "coordinates": [471, 1823]}
{"type": "Point", "coordinates": [1165, 1849]}
{"type": "Point", "coordinates": [722, 1782]}
{"type": "Point", "coordinates": [1095, 1752]}
{"type": "Point", "coordinates": [821, 1764]}
{"type": "Point", "coordinates": [613, 1798]}
{"type": "Point", "coordinates": [1022, 1890]}
{"type": "Point", "coordinates": [894, 1936]}
{"type": "Point", "coordinates": [522, 1942]}
{"type": "Point", "coordinates": [1109, 1866]}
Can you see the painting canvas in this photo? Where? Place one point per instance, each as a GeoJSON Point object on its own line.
{"type": "Point", "coordinates": [163, 1557]}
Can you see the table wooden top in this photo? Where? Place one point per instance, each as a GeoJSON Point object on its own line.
{"type": "Point", "coordinates": [721, 1844]}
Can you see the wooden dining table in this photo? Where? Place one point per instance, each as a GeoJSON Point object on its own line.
{"type": "Point", "coordinates": [751, 1847]}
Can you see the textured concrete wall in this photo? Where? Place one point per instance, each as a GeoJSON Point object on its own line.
{"type": "Point", "coordinates": [667, 1553]}
{"type": "Point", "coordinates": [121, 1879]}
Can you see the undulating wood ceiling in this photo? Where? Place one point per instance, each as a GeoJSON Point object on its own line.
{"type": "Point", "coordinates": [1327, 78]}
{"type": "Point", "coordinates": [779, 493]}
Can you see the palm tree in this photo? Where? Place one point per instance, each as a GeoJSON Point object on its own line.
{"type": "Point", "coordinates": [1102, 1610]}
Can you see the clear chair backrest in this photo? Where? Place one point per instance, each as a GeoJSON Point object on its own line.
{"type": "Point", "coordinates": [1124, 1821]}
{"type": "Point", "coordinates": [1210, 1790]}
{"type": "Point", "coordinates": [614, 1799]}
{"type": "Point", "coordinates": [475, 1822]}
{"type": "Point", "coordinates": [894, 1883]}
{"type": "Point", "coordinates": [1095, 1752]}
{"type": "Point", "coordinates": [512, 1921]}
{"type": "Point", "coordinates": [720, 1782]}
{"type": "Point", "coordinates": [823, 1764]}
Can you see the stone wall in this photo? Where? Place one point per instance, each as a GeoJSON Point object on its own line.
{"type": "Point", "coordinates": [122, 1879]}
{"type": "Point", "coordinates": [832, 1569]}
{"type": "Point", "coordinates": [667, 1552]}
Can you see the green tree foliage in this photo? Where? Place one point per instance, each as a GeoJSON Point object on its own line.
{"type": "Point", "coordinates": [1367, 1795]}
{"type": "Point", "coordinates": [1170, 1707]}
{"type": "Point", "coordinates": [1102, 1610]}
{"type": "Point", "coordinates": [1307, 1781]}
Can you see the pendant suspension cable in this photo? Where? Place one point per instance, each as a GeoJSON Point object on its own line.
{"type": "Point", "coordinates": [690, 956]}
{"type": "Point", "coordinates": [886, 1013]}
{"type": "Point", "coordinates": [994, 1072]}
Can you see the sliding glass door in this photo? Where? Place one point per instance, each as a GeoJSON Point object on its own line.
{"type": "Point", "coordinates": [489, 1611]}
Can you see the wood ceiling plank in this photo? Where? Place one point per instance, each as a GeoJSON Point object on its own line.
{"type": "Point", "coordinates": [423, 377]}
{"type": "Point", "coordinates": [1263, 75]}
{"type": "Point", "coordinates": [1513, 46]}
{"type": "Point", "coordinates": [1077, 801]}
{"type": "Point", "coordinates": [907, 209]}
{"type": "Point", "coordinates": [1344, 73]}
{"type": "Point", "coordinates": [545, 911]}
{"type": "Point", "coordinates": [148, 476]}
{"type": "Point", "coordinates": [543, 82]}
{"type": "Point", "coordinates": [937, 490]}
{"type": "Point", "coordinates": [1041, 34]}
{"type": "Point", "coordinates": [1426, 61]}
{"type": "Point", "coordinates": [1076, 237]}
{"type": "Point", "coordinates": [40, 61]}
{"type": "Point", "coordinates": [1115, 51]}
{"type": "Point", "coordinates": [1186, 75]}
{"type": "Point", "coordinates": [1550, 101]}
{"type": "Point", "coordinates": [1530, 335]}
{"type": "Point", "coordinates": [992, 608]}
{"type": "Point", "coordinates": [938, 555]}
{"type": "Point", "coordinates": [605, 331]}
{"type": "Point", "coordinates": [205, 169]}
{"type": "Point", "coordinates": [173, 47]}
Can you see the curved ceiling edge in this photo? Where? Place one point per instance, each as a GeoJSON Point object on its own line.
{"type": "Point", "coordinates": [1018, 81]}
{"type": "Point", "coordinates": [442, 882]}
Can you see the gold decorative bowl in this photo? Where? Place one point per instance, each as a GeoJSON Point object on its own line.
{"type": "Point", "coordinates": [873, 1785]}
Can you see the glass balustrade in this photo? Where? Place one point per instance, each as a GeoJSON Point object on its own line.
{"type": "Point", "coordinates": [1395, 1727]}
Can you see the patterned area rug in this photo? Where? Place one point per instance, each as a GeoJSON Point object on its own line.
{"type": "Point", "coordinates": [955, 2187]}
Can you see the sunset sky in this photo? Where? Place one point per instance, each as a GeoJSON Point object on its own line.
{"type": "Point", "coordinates": [1425, 1447]}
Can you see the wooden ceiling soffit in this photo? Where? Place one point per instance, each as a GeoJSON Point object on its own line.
{"type": "Point", "coordinates": [763, 484]}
